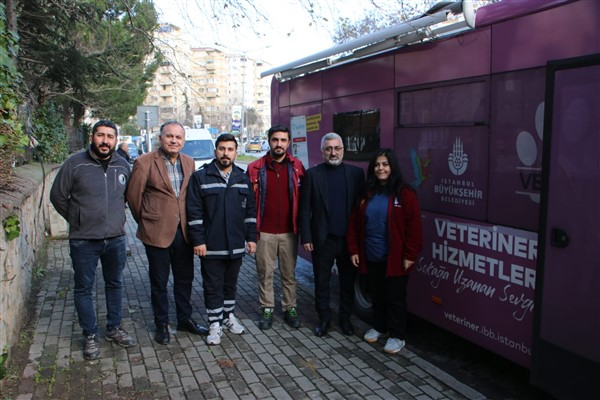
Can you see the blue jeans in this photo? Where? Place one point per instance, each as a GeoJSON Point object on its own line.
{"type": "Point", "coordinates": [84, 256]}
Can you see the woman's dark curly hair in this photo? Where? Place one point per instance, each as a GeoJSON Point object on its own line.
{"type": "Point", "coordinates": [396, 181]}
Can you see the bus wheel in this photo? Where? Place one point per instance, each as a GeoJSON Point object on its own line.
{"type": "Point", "coordinates": [362, 301]}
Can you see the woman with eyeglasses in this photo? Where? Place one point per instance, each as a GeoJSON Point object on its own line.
{"type": "Point", "coordinates": [384, 238]}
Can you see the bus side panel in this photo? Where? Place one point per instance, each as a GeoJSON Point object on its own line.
{"type": "Point", "coordinates": [284, 116]}
{"type": "Point", "coordinates": [477, 280]}
{"type": "Point", "coordinates": [281, 96]}
{"type": "Point", "coordinates": [447, 166]}
{"type": "Point", "coordinates": [517, 115]}
{"type": "Point", "coordinates": [372, 74]}
{"type": "Point", "coordinates": [454, 58]}
{"type": "Point", "coordinates": [306, 89]}
{"type": "Point", "coordinates": [567, 31]}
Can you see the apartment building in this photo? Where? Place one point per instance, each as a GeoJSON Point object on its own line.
{"type": "Point", "coordinates": [201, 85]}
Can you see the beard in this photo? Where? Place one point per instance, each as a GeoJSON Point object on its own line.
{"type": "Point", "coordinates": [99, 154]}
{"type": "Point", "coordinates": [223, 163]}
{"type": "Point", "coordinates": [278, 152]}
{"type": "Point", "coordinates": [333, 162]}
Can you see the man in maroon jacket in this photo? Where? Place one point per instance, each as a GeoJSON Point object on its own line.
{"type": "Point", "coordinates": [276, 179]}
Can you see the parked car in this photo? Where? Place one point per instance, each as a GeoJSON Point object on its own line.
{"type": "Point", "coordinates": [264, 145]}
{"type": "Point", "coordinates": [254, 145]}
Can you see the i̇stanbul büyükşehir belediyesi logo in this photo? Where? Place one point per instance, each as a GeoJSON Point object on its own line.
{"type": "Point", "coordinates": [458, 159]}
{"type": "Point", "coordinates": [454, 190]}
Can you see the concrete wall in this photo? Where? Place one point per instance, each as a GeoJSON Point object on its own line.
{"type": "Point", "coordinates": [28, 199]}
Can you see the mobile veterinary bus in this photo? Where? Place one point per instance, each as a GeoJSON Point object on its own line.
{"type": "Point", "coordinates": [496, 121]}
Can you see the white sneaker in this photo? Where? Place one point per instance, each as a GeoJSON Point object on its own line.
{"type": "Point", "coordinates": [214, 333]}
{"type": "Point", "coordinates": [372, 335]}
{"type": "Point", "coordinates": [233, 325]}
{"type": "Point", "coordinates": [393, 345]}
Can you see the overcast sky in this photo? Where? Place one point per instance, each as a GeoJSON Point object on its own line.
{"type": "Point", "coordinates": [289, 34]}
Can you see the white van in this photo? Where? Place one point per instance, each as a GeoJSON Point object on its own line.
{"type": "Point", "coordinates": [199, 145]}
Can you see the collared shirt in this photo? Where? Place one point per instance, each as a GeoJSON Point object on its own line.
{"type": "Point", "coordinates": [225, 175]}
{"type": "Point", "coordinates": [175, 172]}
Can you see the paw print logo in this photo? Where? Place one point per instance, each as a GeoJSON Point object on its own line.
{"type": "Point", "coordinates": [527, 151]}
{"type": "Point", "coordinates": [458, 159]}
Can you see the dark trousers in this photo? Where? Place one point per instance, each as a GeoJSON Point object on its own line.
{"type": "Point", "coordinates": [85, 255]}
{"type": "Point", "coordinates": [388, 295]}
{"type": "Point", "coordinates": [179, 258]}
{"type": "Point", "coordinates": [219, 281]}
{"type": "Point", "coordinates": [333, 250]}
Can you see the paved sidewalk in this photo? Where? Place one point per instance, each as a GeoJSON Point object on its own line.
{"type": "Point", "coordinates": [281, 363]}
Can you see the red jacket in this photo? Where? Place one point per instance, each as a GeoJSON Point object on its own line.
{"type": "Point", "coordinates": [405, 233]}
{"type": "Point", "coordinates": [258, 177]}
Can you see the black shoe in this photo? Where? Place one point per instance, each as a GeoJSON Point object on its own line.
{"type": "Point", "coordinates": [266, 319]}
{"type": "Point", "coordinates": [162, 334]}
{"type": "Point", "coordinates": [346, 328]}
{"type": "Point", "coordinates": [322, 328]}
{"type": "Point", "coordinates": [291, 317]}
{"type": "Point", "coordinates": [189, 325]}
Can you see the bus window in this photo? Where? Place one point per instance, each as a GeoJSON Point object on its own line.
{"type": "Point", "coordinates": [360, 131]}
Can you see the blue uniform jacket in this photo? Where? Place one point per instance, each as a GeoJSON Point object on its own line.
{"type": "Point", "coordinates": [221, 215]}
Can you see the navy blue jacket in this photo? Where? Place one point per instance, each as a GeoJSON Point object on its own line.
{"type": "Point", "coordinates": [221, 215]}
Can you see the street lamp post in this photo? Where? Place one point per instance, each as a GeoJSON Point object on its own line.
{"type": "Point", "coordinates": [243, 119]}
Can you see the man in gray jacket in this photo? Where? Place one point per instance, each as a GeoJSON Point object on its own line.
{"type": "Point", "coordinates": [89, 192]}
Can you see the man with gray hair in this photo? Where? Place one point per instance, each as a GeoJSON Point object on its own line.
{"type": "Point", "coordinates": [157, 200]}
{"type": "Point", "coordinates": [329, 193]}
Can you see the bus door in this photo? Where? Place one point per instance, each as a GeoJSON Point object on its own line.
{"type": "Point", "coordinates": [566, 340]}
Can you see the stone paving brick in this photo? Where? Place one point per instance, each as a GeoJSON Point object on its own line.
{"type": "Point", "coordinates": [431, 392]}
{"type": "Point", "coordinates": [305, 384]}
{"type": "Point", "coordinates": [259, 390]}
{"type": "Point", "coordinates": [177, 394]}
{"type": "Point", "coordinates": [184, 370]}
{"type": "Point", "coordinates": [410, 388]}
{"type": "Point", "coordinates": [202, 377]}
{"type": "Point", "coordinates": [423, 397]}
{"type": "Point", "coordinates": [280, 393]}
{"type": "Point", "coordinates": [250, 377]}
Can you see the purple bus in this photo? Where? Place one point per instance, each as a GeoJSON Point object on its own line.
{"type": "Point", "coordinates": [496, 120]}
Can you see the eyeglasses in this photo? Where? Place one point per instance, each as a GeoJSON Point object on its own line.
{"type": "Point", "coordinates": [330, 149]}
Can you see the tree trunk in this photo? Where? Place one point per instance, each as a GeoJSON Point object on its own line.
{"type": "Point", "coordinates": [11, 15]}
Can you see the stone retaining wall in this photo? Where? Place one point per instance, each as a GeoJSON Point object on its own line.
{"type": "Point", "coordinates": [29, 200]}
